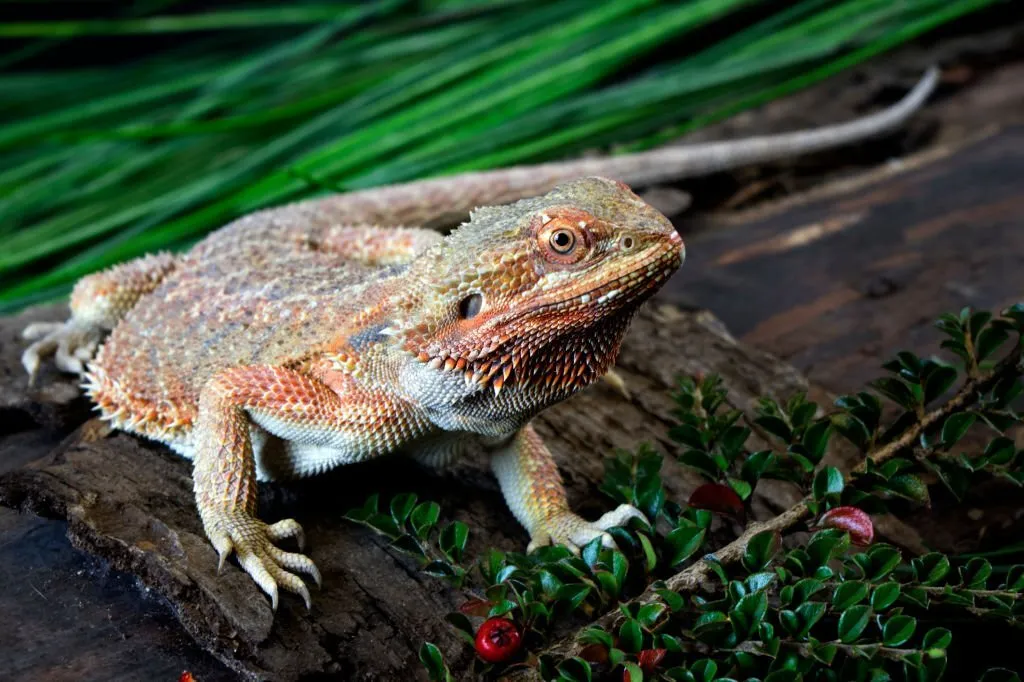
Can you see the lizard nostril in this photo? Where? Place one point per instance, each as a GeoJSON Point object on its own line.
{"type": "Point", "coordinates": [627, 242]}
{"type": "Point", "coordinates": [470, 306]}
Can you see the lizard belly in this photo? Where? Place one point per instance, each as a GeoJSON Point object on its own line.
{"type": "Point", "coordinates": [285, 450]}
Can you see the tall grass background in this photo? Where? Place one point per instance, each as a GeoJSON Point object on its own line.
{"type": "Point", "coordinates": [237, 108]}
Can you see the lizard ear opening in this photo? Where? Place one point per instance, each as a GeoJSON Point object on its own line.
{"type": "Point", "coordinates": [470, 306]}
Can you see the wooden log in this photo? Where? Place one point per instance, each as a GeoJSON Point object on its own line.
{"type": "Point", "coordinates": [130, 502]}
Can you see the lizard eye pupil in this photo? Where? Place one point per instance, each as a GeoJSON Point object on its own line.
{"type": "Point", "coordinates": [470, 306]}
{"type": "Point", "coordinates": [563, 241]}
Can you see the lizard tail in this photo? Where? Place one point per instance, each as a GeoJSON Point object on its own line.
{"type": "Point", "coordinates": [683, 161]}
{"type": "Point", "coordinates": [415, 203]}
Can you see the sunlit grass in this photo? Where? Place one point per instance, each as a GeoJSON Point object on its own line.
{"type": "Point", "coordinates": [100, 165]}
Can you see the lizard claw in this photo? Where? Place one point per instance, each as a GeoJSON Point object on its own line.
{"type": "Point", "coordinates": [269, 566]}
{"type": "Point", "coordinates": [72, 344]}
{"type": "Point", "coordinates": [568, 529]}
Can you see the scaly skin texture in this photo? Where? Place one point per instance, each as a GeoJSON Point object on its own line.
{"type": "Point", "coordinates": [321, 333]}
{"type": "Point", "coordinates": [287, 344]}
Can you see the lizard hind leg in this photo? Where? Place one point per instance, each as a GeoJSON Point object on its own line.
{"type": "Point", "coordinates": [98, 302]}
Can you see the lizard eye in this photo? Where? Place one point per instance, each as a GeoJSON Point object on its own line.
{"type": "Point", "coordinates": [470, 306]}
{"type": "Point", "coordinates": [563, 235]}
{"type": "Point", "coordinates": [562, 241]}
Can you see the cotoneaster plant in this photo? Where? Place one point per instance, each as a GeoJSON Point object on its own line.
{"type": "Point", "coordinates": [806, 595]}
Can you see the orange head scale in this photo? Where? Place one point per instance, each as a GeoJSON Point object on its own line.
{"type": "Point", "coordinates": [536, 296]}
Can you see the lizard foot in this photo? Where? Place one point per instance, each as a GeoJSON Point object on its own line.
{"type": "Point", "coordinates": [71, 344]}
{"type": "Point", "coordinates": [252, 541]}
{"type": "Point", "coordinates": [566, 528]}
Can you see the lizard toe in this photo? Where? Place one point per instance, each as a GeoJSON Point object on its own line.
{"type": "Point", "coordinates": [288, 528]}
{"type": "Point", "coordinates": [71, 344]}
{"type": "Point", "coordinates": [619, 516]}
{"type": "Point", "coordinates": [573, 532]}
{"type": "Point", "coordinates": [258, 569]}
{"type": "Point", "coordinates": [38, 330]}
{"type": "Point", "coordinates": [270, 567]}
{"type": "Point", "coordinates": [293, 561]}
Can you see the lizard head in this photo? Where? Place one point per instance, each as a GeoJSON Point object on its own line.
{"type": "Point", "coordinates": [537, 295]}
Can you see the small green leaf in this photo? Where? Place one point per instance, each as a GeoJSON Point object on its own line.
{"type": "Point", "coordinates": [976, 573]}
{"type": "Point", "coordinates": [825, 653]}
{"type": "Point", "coordinates": [938, 382]}
{"type": "Point", "coordinates": [816, 439]}
{"type": "Point", "coordinates": [790, 622]}
{"type": "Point", "coordinates": [751, 609]}
{"type": "Point", "coordinates": [650, 556]}
{"type": "Point", "coordinates": [760, 550]}
{"type": "Point", "coordinates": [776, 427]}
{"type": "Point", "coordinates": [898, 629]}
{"type": "Point", "coordinates": [955, 426]}
{"type": "Point", "coordinates": [885, 595]}
{"type": "Point", "coordinates": [591, 552]}
{"type": "Point", "coordinates": [452, 540]}
{"type": "Point", "coordinates": [702, 462]}
{"type": "Point", "coordinates": [852, 623]}
{"type": "Point", "coordinates": [742, 488]}
{"type": "Point", "coordinates": [896, 391]}
{"type": "Point", "coordinates": [401, 506]}
{"type": "Point", "coordinates": [687, 435]}
{"type": "Point", "coordinates": [756, 464]}
{"type": "Point", "coordinates": [673, 600]}
{"type": "Point", "coordinates": [440, 569]}
{"type": "Point", "coordinates": [631, 637]}
{"type": "Point", "coordinates": [849, 593]}
{"type": "Point", "coordinates": [884, 558]}
{"type": "Point", "coordinates": [501, 608]}
{"type": "Point", "coordinates": [423, 518]}
{"type": "Point", "coordinates": [976, 323]}
{"type": "Point", "coordinates": [574, 669]}
{"type": "Point", "coordinates": [809, 613]}
{"type": "Point", "coordinates": [574, 595]}
{"type": "Point", "coordinates": [596, 635]}
{"type": "Point", "coordinates": [826, 544]}
{"type": "Point", "coordinates": [705, 669]}
{"type": "Point", "coordinates": [433, 661]}
{"type": "Point", "coordinates": [632, 672]}
{"type": "Point", "coordinates": [910, 487]}
{"type": "Point", "coordinates": [988, 342]}
{"type": "Point", "coordinates": [683, 543]}
{"type": "Point", "coordinates": [931, 568]}
{"type": "Point", "coordinates": [937, 638]}
{"type": "Point", "coordinates": [828, 483]}
{"type": "Point", "coordinates": [1015, 578]}
{"type": "Point", "coordinates": [649, 614]}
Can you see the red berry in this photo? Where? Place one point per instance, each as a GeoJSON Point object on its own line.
{"type": "Point", "coordinates": [852, 520]}
{"type": "Point", "coordinates": [186, 676]}
{"type": "Point", "coordinates": [497, 640]}
{"type": "Point", "coordinates": [717, 498]}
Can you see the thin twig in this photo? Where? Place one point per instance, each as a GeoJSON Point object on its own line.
{"type": "Point", "coordinates": [699, 574]}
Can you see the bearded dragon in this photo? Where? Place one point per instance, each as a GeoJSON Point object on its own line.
{"type": "Point", "coordinates": [331, 331]}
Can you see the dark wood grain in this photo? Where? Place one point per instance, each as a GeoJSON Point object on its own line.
{"type": "Point", "coordinates": [836, 285]}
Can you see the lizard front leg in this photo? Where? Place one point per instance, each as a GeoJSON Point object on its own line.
{"type": "Point", "coordinates": [98, 302]}
{"type": "Point", "coordinates": [534, 492]}
{"type": "Point", "coordinates": [312, 419]}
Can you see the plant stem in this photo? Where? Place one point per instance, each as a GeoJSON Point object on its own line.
{"type": "Point", "coordinates": [699, 574]}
